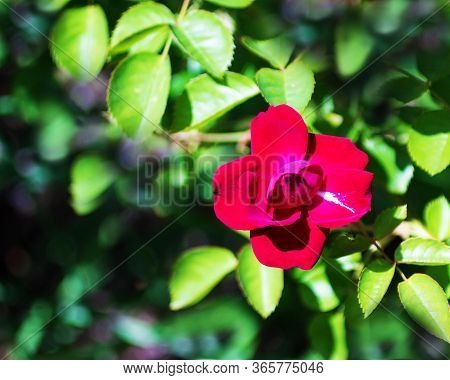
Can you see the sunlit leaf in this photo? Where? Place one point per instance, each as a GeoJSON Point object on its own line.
{"type": "Point", "coordinates": [262, 286]}
{"type": "Point", "coordinates": [437, 218]}
{"type": "Point", "coordinates": [388, 220]}
{"type": "Point", "coordinates": [293, 86]}
{"type": "Point", "coordinates": [207, 99]}
{"type": "Point", "coordinates": [197, 272]}
{"type": "Point", "coordinates": [373, 284]}
{"type": "Point", "coordinates": [441, 274]}
{"type": "Point", "coordinates": [91, 175]}
{"type": "Point", "coordinates": [419, 251]}
{"type": "Point", "coordinates": [398, 175]}
{"type": "Point", "coordinates": [327, 333]}
{"type": "Point", "coordinates": [276, 51]}
{"type": "Point", "coordinates": [430, 133]}
{"type": "Point", "coordinates": [316, 290]}
{"type": "Point", "coordinates": [232, 3]}
{"type": "Point", "coordinates": [143, 27]}
{"type": "Point", "coordinates": [79, 41]}
{"type": "Point", "coordinates": [138, 93]}
{"type": "Point", "coordinates": [353, 47]}
{"type": "Point", "coordinates": [426, 303]}
{"type": "Point", "coordinates": [206, 39]}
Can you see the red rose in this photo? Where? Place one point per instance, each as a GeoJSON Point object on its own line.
{"type": "Point", "coordinates": [292, 189]}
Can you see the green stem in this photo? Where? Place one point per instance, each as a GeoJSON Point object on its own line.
{"type": "Point", "coordinates": [167, 47]}
{"type": "Point", "coordinates": [180, 17]}
{"type": "Point", "coordinates": [402, 275]}
{"type": "Point", "coordinates": [212, 137]}
{"type": "Point", "coordinates": [183, 10]}
{"type": "Point", "coordinates": [381, 250]}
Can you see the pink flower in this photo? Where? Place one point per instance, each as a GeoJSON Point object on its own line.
{"type": "Point", "coordinates": [291, 189]}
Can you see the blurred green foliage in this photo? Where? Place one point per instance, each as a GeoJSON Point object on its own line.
{"type": "Point", "coordinates": [85, 262]}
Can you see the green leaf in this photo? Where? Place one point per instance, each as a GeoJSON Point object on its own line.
{"type": "Point", "coordinates": [79, 41]}
{"type": "Point", "coordinates": [426, 303]}
{"type": "Point", "coordinates": [328, 335]}
{"type": "Point", "coordinates": [203, 329]}
{"type": "Point", "coordinates": [261, 285]}
{"type": "Point", "coordinates": [398, 176]}
{"type": "Point", "coordinates": [197, 272]}
{"type": "Point", "coordinates": [51, 5]}
{"type": "Point", "coordinates": [151, 41]}
{"type": "Point", "coordinates": [388, 220]}
{"type": "Point", "coordinates": [293, 86]}
{"type": "Point", "coordinates": [353, 46]}
{"type": "Point", "coordinates": [3, 49]}
{"type": "Point", "coordinates": [341, 244]}
{"type": "Point", "coordinates": [432, 122]}
{"type": "Point", "coordinates": [138, 93]}
{"type": "Point", "coordinates": [76, 284]}
{"type": "Point", "coordinates": [232, 3]}
{"type": "Point", "coordinates": [316, 290]}
{"type": "Point", "coordinates": [206, 99]}
{"type": "Point", "coordinates": [434, 63]}
{"type": "Point", "coordinates": [58, 127]}
{"type": "Point", "coordinates": [135, 332]}
{"type": "Point", "coordinates": [404, 89]}
{"type": "Point", "coordinates": [440, 90]}
{"type": "Point", "coordinates": [441, 274]}
{"type": "Point", "coordinates": [419, 251]}
{"type": "Point", "coordinates": [276, 51]}
{"type": "Point", "coordinates": [91, 175]}
{"type": "Point", "coordinates": [206, 39]}
{"type": "Point", "coordinates": [373, 284]}
{"type": "Point", "coordinates": [30, 333]}
{"type": "Point", "coordinates": [430, 133]}
{"type": "Point", "coordinates": [420, 146]}
{"type": "Point", "coordinates": [143, 27]}
{"type": "Point", "coordinates": [437, 218]}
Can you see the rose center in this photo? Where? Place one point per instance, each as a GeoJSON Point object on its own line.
{"type": "Point", "coordinates": [294, 189]}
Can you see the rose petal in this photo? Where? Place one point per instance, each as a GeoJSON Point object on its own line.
{"type": "Point", "coordinates": [238, 200]}
{"type": "Point", "coordinates": [331, 152]}
{"type": "Point", "coordinates": [345, 198]}
{"type": "Point", "coordinates": [280, 131]}
{"type": "Point", "coordinates": [297, 245]}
